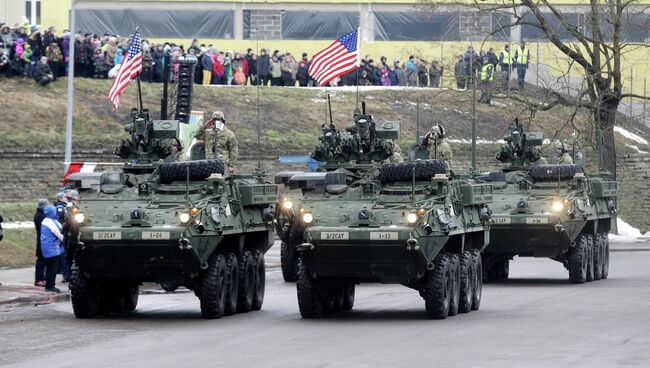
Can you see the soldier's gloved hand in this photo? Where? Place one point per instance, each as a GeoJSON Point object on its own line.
{"type": "Point", "coordinates": [231, 170]}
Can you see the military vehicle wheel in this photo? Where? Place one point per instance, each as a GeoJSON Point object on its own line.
{"type": "Point", "coordinates": [466, 282]}
{"type": "Point", "coordinates": [260, 280]}
{"type": "Point", "coordinates": [213, 288]}
{"type": "Point", "coordinates": [198, 170]}
{"type": "Point", "coordinates": [338, 299]}
{"type": "Point", "coordinates": [577, 260]}
{"type": "Point", "coordinates": [499, 271]}
{"type": "Point", "coordinates": [84, 299]}
{"type": "Point", "coordinates": [348, 296]}
{"type": "Point", "coordinates": [169, 286]}
{"type": "Point", "coordinates": [597, 250]}
{"type": "Point", "coordinates": [131, 295]}
{"type": "Point", "coordinates": [438, 288]}
{"type": "Point", "coordinates": [246, 282]}
{"type": "Point", "coordinates": [455, 294]}
{"type": "Point", "coordinates": [477, 271]}
{"type": "Point", "coordinates": [232, 268]}
{"type": "Point", "coordinates": [424, 169]}
{"type": "Point", "coordinates": [590, 258]}
{"type": "Point", "coordinates": [288, 259]}
{"type": "Point", "coordinates": [309, 298]}
{"type": "Point", "coordinates": [605, 268]}
{"type": "Point", "coordinates": [551, 172]}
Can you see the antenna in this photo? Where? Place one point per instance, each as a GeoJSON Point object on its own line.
{"type": "Point", "coordinates": [417, 121]}
{"type": "Point", "coordinates": [257, 79]}
{"type": "Point", "coordinates": [138, 76]}
{"type": "Point", "coordinates": [329, 107]}
{"type": "Point", "coordinates": [363, 107]}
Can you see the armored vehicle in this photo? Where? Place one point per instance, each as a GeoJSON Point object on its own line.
{"type": "Point", "coordinates": [550, 211]}
{"type": "Point", "coordinates": [175, 223]}
{"type": "Point", "coordinates": [406, 223]}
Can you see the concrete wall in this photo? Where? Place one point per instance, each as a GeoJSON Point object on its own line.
{"type": "Point", "coordinates": [633, 191]}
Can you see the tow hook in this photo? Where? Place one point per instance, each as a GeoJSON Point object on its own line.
{"type": "Point", "coordinates": [412, 244]}
{"type": "Point", "coordinates": [184, 243]}
{"type": "Point", "coordinates": [559, 228]}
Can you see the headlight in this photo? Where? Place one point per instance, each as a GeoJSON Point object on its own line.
{"type": "Point", "coordinates": [412, 218]}
{"type": "Point", "coordinates": [287, 204]}
{"type": "Point", "coordinates": [184, 217]}
{"type": "Point", "coordinates": [308, 218]}
{"type": "Point", "coordinates": [557, 206]}
{"type": "Point", "coordinates": [79, 217]}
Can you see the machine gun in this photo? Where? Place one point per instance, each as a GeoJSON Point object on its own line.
{"type": "Point", "coordinates": [151, 140]}
{"type": "Point", "coordinates": [363, 143]}
{"type": "Point", "coordinates": [521, 149]}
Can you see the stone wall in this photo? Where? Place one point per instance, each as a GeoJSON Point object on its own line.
{"type": "Point", "coordinates": [634, 191]}
{"type": "Point", "coordinates": [475, 25]}
{"type": "Point", "coordinates": [268, 24]}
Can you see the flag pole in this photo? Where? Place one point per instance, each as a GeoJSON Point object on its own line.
{"type": "Point", "coordinates": [139, 92]}
{"type": "Point", "coordinates": [358, 57]}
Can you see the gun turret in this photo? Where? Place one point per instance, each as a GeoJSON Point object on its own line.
{"type": "Point", "coordinates": [364, 142]}
{"type": "Point", "coordinates": [151, 140]}
{"type": "Point", "coordinates": [521, 149]}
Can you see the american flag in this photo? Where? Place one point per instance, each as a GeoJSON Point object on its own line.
{"type": "Point", "coordinates": [339, 58]}
{"type": "Point", "coordinates": [131, 66]}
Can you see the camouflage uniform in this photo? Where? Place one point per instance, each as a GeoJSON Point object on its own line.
{"type": "Point", "coordinates": [221, 144]}
{"type": "Point", "coordinates": [565, 159]}
{"type": "Point", "coordinates": [397, 154]}
{"type": "Point", "coordinates": [443, 151]}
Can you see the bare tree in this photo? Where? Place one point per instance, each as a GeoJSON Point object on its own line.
{"type": "Point", "coordinates": [596, 42]}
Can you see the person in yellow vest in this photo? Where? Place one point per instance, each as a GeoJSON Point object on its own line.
{"type": "Point", "coordinates": [487, 80]}
{"type": "Point", "coordinates": [507, 61]}
{"type": "Point", "coordinates": [522, 59]}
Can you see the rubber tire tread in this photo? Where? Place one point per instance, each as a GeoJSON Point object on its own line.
{"type": "Point", "coordinates": [84, 300]}
{"type": "Point", "coordinates": [169, 286]}
{"type": "Point", "coordinates": [232, 291]}
{"type": "Point", "coordinates": [348, 296]}
{"type": "Point", "coordinates": [477, 269]}
{"type": "Point", "coordinates": [213, 289]}
{"type": "Point", "coordinates": [597, 250]}
{"type": "Point", "coordinates": [199, 170]}
{"type": "Point", "coordinates": [260, 280]}
{"type": "Point", "coordinates": [402, 171]}
{"type": "Point", "coordinates": [577, 260]}
{"type": "Point", "coordinates": [551, 172]}
{"type": "Point", "coordinates": [246, 282]}
{"type": "Point", "coordinates": [131, 296]}
{"type": "Point", "coordinates": [605, 270]}
{"type": "Point", "coordinates": [590, 258]}
{"type": "Point", "coordinates": [466, 282]}
{"type": "Point", "coordinates": [454, 301]}
{"type": "Point", "coordinates": [288, 261]}
{"type": "Point", "coordinates": [436, 283]}
{"type": "Point", "coordinates": [309, 299]}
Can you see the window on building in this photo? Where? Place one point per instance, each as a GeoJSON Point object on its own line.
{"type": "Point", "coordinates": [305, 25]}
{"type": "Point", "coordinates": [416, 26]}
{"type": "Point", "coordinates": [37, 13]}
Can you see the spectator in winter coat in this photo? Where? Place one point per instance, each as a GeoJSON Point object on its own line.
{"type": "Point", "coordinates": [460, 72]}
{"type": "Point", "coordinates": [372, 76]}
{"type": "Point", "coordinates": [264, 67]}
{"type": "Point", "coordinates": [80, 56]}
{"type": "Point", "coordinates": [289, 69]}
{"type": "Point", "coordinates": [435, 72]}
{"type": "Point", "coordinates": [119, 57]}
{"type": "Point", "coordinates": [302, 72]}
{"type": "Point", "coordinates": [52, 246]}
{"type": "Point", "coordinates": [412, 71]}
{"type": "Point", "coordinates": [423, 79]}
{"type": "Point", "coordinates": [39, 216]}
{"type": "Point", "coordinates": [147, 63]}
{"type": "Point", "coordinates": [43, 74]}
{"type": "Point", "coordinates": [206, 65]}
{"type": "Point", "coordinates": [54, 58]}
{"type": "Point", "coordinates": [158, 56]}
{"type": "Point", "coordinates": [394, 72]}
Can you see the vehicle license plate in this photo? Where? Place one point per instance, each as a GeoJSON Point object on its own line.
{"type": "Point", "coordinates": [501, 220]}
{"type": "Point", "coordinates": [338, 235]}
{"type": "Point", "coordinates": [536, 220]}
{"type": "Point", "coordinates": [384, 235]}
{"type": "Point", "coordinates": [155, 235]}
{"type": "Point", "coordinates": [107, 235]}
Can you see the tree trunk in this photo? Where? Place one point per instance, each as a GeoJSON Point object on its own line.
{"type": "Point", "coordinates": [606, 120]}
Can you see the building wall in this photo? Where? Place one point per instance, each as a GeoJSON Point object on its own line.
{"type": "Point", "coordinates": [12, 11]}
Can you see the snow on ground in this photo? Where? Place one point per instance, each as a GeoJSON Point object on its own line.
{"type": "Point", "coordinates": [627, 233]}
{"type": "Point", "coordinates": [478, 141]}
{"type": "Point", "coordinates": [629, 135]}
{"type": "Point", "coordinates": [636, 148]}
{"type": "Point", "coordinates": [18, 225]}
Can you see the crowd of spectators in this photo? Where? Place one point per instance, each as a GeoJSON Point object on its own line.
{"type": "Point", "coordinates": [27, 51]}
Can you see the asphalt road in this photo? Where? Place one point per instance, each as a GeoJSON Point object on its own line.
{"type": "Point", "coordinates": [536, 319]}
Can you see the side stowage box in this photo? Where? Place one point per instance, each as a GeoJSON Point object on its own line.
{"type": "Point", "coordinates": [258, 194]}
{"type": "Point", "coordinates": [604, 188]}
{"type": "Point", "coordinates": [474, 194]}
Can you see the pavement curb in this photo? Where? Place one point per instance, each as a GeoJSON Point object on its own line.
{"type": "Point", "coordinates": [36, 299]}
{"type": "Point", "coordinates": [630, 249]}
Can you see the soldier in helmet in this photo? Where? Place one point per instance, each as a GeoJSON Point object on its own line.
{"type": "Point", "coordinates": [563, 157]}
{"type": "Point", "coordinates": [397, 154]}
{"type": "Point", "coordinates": [220, 142]}
{"type": "Point", "coordinates": [438, 147]}
{"type": "Point", "coordinates": [177, 150]}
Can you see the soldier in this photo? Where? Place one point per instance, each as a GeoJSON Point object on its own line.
{"type": "Point", "coordinates": [220, 142]}
{"type": "Point", "coordinates": [397, 153]}
{"type": "Point", "coordinates": [177, 150]}
{"type": "Point", "coordinates": [562, 151]}
{"type": "Point", "coordinates": [438, 147]}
